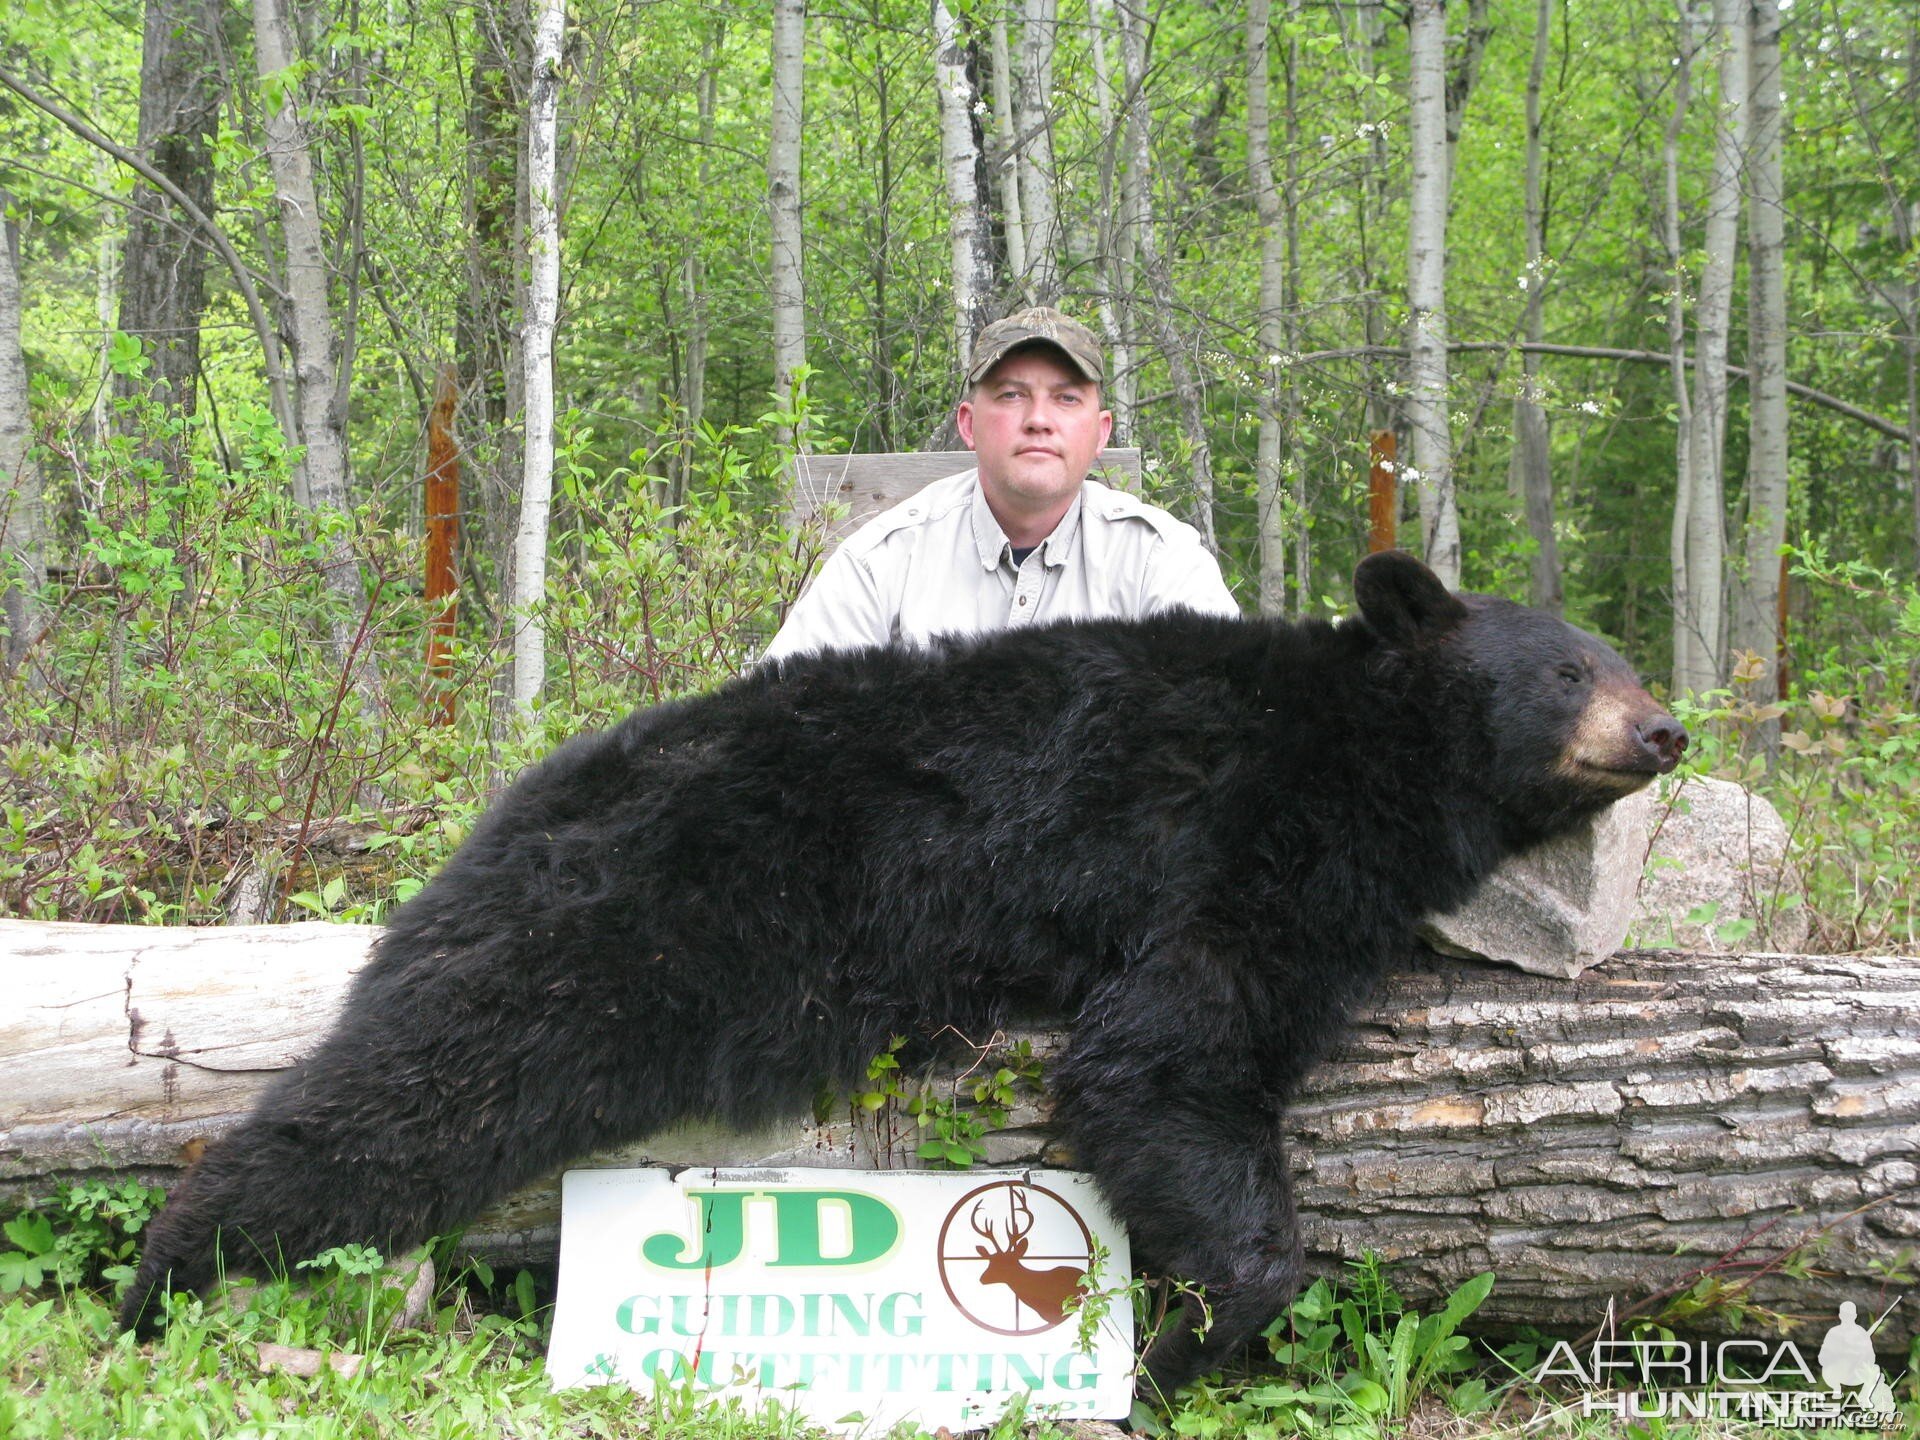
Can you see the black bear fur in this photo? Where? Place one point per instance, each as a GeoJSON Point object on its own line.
{"type": "Point", "coordinates": [1200, 838]}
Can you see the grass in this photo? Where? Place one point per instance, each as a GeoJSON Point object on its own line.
{"type": "Point", "coordinates": [1353, 1368]}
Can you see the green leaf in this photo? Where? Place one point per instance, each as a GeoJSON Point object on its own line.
{"type": "Point", "coordinates": [32, 1232]}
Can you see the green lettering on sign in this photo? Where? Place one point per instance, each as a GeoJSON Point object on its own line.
{"type": "Point", "coordinates": [872, 1227]}
{"type": "Point", "coordinates": [722, 1232]}
{"type": "Point", "coordinates": [872, 1224]}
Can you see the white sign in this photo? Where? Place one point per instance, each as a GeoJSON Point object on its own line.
{"type": "Point", "coordinates": [859, 1298]}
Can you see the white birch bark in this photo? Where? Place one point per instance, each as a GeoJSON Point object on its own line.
{"type": "Point", "coordinates": [1683, 637]}
{"type": "Point", "coordinates": [1115, 268]}
{"type": "Point", "coordinates": [1531, 471]}
{"type": "Point", "coordinates": [1704, 616]}
{"type": "Point", "coordinates": [960, 157]}
{"type": "Point", "coordinates": [1369, 36]}
{"type": "Point", "coordinates": [1756, 621]}
{"type": "Point", "coordinates": [1268, 467]}
{"type": "Point", "coordinates": [1033, 117]}
{"type": "Point", "coordinates": [321, 477]}
{"type": "Point", "coordinates": [543, 305]}
{"type": "Point", "coordinates": [1290, 310]}
{"type": "Point", "coordinates": [1153, 264]}
{"type": "Point", "coordinates": [783, 200]}
{"type": "Point", "coordinates": [22, 491]}
{"type": "Point", "coordinates": [1006, 161]}
{"type": "Point", "coordinates": [1426, 407]}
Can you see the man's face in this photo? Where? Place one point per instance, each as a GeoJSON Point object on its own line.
{"type": "Point", "coordinates": [1036, 427]}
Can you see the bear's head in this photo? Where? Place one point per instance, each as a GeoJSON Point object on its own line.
{"type": "Point", "coordinates": [1562, 726]}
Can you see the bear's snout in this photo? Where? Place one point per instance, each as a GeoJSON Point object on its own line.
{"type": "Point", "coordinates": [1666, 737]}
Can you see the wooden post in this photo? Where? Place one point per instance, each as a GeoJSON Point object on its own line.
{"type": "Point", "coordinates": [443, 528]}
{"type": "Point", "coordinates": [1383, 492]}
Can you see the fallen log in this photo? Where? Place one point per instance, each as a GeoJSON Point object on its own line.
{"type": "Point", "coordinates": [1744, 1126]}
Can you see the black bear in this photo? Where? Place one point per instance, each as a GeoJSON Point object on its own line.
{"type": "Point", "coordinates": [1199, 838]}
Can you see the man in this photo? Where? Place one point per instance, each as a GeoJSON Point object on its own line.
{"type": "Point", "coordinates": [1023, 538]}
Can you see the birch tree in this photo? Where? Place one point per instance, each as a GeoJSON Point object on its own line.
{"type": "Point", "coordinates": [1004, 162]}
{"type": "Point", "coordinates": [1677, 335]}
{"type": "Point", "coordinates": [783, 200]}
{"type": "Point", "coordinates": [321, 478]}
{"type": "Point", "coordinates": [1756, 623]}
{"type": "Point", "coordinates": [966, 211]}
{"type": "Point", "coordinates": [22, 492]}
{"type": "Point", "coordinates": [1699, 641]}
{"type": "Point", "coordinates": [1291, 407]}
{"type": "Point", "coordinates": [1426, 406]}
{"type": "Point", "coordinates": [1531, 473]}
{"type": "Point", "coordinates": [543, 303]}
{"type": "Point", "coordinates": [1167, 334]}
{"type": "Point", "coordinates": [1269, 469]}
{"type": "Point", "coordinates": [1033, 117]}
{"type": "Point", "coordinates": [1114, 236]}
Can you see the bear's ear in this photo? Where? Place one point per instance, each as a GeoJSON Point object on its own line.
{"type": "Point", "coordinates": [1402, 600]}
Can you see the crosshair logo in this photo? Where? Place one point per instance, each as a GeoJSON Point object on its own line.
{"type": "Point", "coordinates": [1011, 1255]}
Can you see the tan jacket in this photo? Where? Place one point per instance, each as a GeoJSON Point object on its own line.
{"type": "Point", "coordinates": [938, 563]}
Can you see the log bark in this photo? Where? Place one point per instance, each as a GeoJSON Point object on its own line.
{"type": "Point", "coordinates": [1607, 1138]}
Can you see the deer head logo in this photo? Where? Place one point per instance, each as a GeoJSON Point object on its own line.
{"type": "Point", "coordinates": [1001, 1218]}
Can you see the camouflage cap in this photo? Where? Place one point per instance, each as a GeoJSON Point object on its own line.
{"type": "Point", "coordinates": [1041, 325]}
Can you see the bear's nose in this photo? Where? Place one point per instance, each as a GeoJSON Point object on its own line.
{"type": "Point", "coordinates": [1666, 737]}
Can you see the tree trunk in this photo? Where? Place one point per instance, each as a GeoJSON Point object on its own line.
{"type": "Point", "coordinates": [1369, 25]}
{"type": "Point", "coordinates": [1756, 620]}
{"type": "Point", "coordinates": [163, 291]}
{"type": "Point", "coordinates": [967, 230]}
{"type": "Point", "coordinates": [486, 324]}
{"type": "Point", "coordinates": [1594, 1139]}
{"type": "Point", "coordinates": [321, 479]}
{"type": "Point", "coordinates": [1704, 617]}
{"type": "Point", "coordinates": [783, 200]}
{"type": "Point", "coordinates": [1683, 639]}
{"type": "Point", "coordinates": [1532, 468]}
{"type": "Point", "coordinates": [1005, 161]}
{"type": "Point", "coordinates": [1463, 75]}
{"type": "Point", "coordinates": [543, 307]}
{"type": "Point", "coordinates": [1157, 269]}
{"type": "Point", "coordinates": [693, 383]}
{"type": "Point", "coordinates": [23, 565]}
{"type": "Point", "coordinates": [1033, 117]}
{"type": "Point", "coordinates": [1269, 467]}
{"type": "Point", "coordinates": [1426, 406]}
{"type": "Point", "coordinates": [1290, 400]}
{"type": "Point", "coordinates": [1114, 275]}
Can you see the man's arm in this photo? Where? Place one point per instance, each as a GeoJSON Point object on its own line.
{"type": "Point", "coordinates": [840, 610]}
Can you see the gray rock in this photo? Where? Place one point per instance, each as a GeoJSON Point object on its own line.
{"type": "Point", "coordinates": [1562, 907]}
{"type": "Point", "coordinates": [1717, 846]}
{"type": "Point", "coordinates": [1706, 848]}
